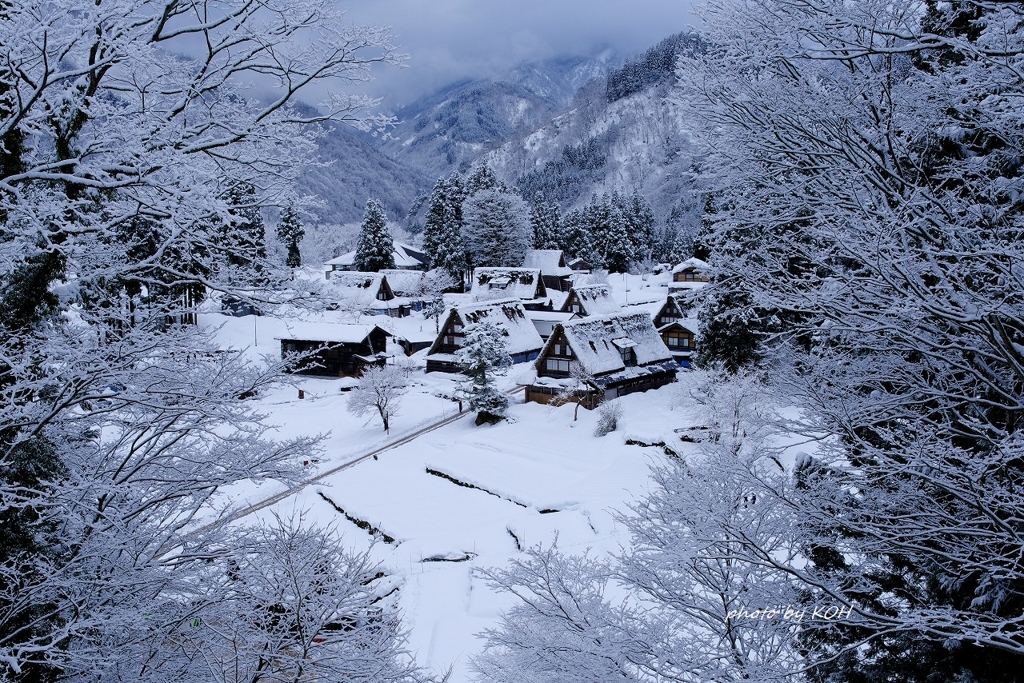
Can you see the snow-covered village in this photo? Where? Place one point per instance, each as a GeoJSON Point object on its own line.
{"type": "Point", "coordinates": [535, 342]}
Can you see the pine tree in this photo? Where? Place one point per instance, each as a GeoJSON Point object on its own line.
{"type": "Point", "coordinates": [483, 357]}
{"type": "Point", "coordinates": [442, 232]}
{"type": "Point", "coordinates": [575, 237]}
{"type": "Point", "coordinates": [545, 222]}
{"type": "Point", "coordinates": [610, 235]}
{"type": "Point", "coordinates": [375, 249]}
{"type": "Point", "coordinates": [243, 236]}
{"type": "Point", "coordinates": [497, 231]}
{"type": "Point", "coordinates": [483, 179]}
{"type": "Point", "coordinates": [290, 234]}
{"type": "Point", "coordinates": [639, 220]}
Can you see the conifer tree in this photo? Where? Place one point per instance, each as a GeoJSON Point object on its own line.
{"type": "Point", "coordinates": [375, 249]}
{"type": "Point", "coordinates": [639, 221]}
{"type": "Point", "coordinates": [244, 235]}
{"type": "Point", "coordinates": [481, 179]}
{"type": "Point", "coordinates": [290, 233]}
{"type": "Point", "coordinates": [442, 232]}
{"type": "Point", "coordinates": [497, 229]}
{"type": "Point", "coordinates": [610, 235]}
{"type": "Point", "coordinates": [545, 222]}
{"type": "Point", "coordinates": [484, 357]}
{"type": "Point", "coordinates": [575, 236]}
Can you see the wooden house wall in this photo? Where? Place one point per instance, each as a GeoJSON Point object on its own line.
{"type": "Point", "coordinates": [331, 359]}
{"type": "Point", "coordinates": [689, 275]}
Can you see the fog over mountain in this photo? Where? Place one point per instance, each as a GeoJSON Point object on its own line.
{"type": "Point", "coordinates": [567, 127]}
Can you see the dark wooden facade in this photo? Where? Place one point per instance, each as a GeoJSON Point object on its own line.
{"type": "Point", "coordinates": [328, 358]}
{"type": "Point", "coordinates": [555, 362]}
{"type": "Point", "coordinates": [452, 337]}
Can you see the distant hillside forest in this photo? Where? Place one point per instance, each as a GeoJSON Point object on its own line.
{"type": "Point", "coordinates": [657, 65]}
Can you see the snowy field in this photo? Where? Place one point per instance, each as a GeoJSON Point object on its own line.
{"type": "Point", "coordinates": [539, 475]}
{"type": "Point", "coordinates": [460, 497]}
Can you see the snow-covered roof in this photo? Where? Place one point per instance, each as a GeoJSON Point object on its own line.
{"type": "Point", "coordinates": [686, 324]}
{"type": "Point", "coordinates": [597, 341]}
{"type": "Point", "coordinates": [508, 314]}
{"type": "Point", "coordinates": [404, 282]}
{"type": "Point", "coordinates": [545, 321]}
{"type": "Point", "coordinates": [521, 283]}
{"type": "Point", "coordinates": [405, 257]}
{"type": "Point", "coordinates": [694, 263]}
{"type": "Point", "coordinates": [332, 333]}
{"type": "Point", "coordinates": [553, 316]}
{"type": "Point", "coordinates": [595, 299]}
{"type": "Point", "coordinates": [549, 261]}
{"type": "Point", "coordinates": [356, 280]}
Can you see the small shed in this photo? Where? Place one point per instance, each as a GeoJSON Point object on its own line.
{"type": "Point", "coordinates": [580, 265]}
{"type": "Point", "coordinates": [334, 350]}
{"type": "Point", "coordinates": [367, 292]}
{"type": "Point", "coordinates": [522, 338]}
{"type": "Point", "coordinates": [692, 272]}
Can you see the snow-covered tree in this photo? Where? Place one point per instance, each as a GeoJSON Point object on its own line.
{"type": "Point", "coordinates": [545, 221]}
{"type": "Point", "coordinates": [483, 357]}
{"type": "Point", "coordinates": [442, 232]}
{"type": "Point", "coordinates": [609, 234]}
{"type": "Point", "coordinates": [575, 237]}
{"type": "Point", "coordinates": [697, 595]}
{"type": "Point", "coordinates": [290, 234]}
{"type": "Point", "coordinates": [481, 179]}
{"type": "Point", "coordinates": [497, 229]}
{"type": "Point", "coordinates": [300, 605]}
{"type": "Point", "coordinates": [127, 141]}
{"type": "Point", "coordinates": [638, 217]}
{"type": "Point", "coordinates": [380, 389]}
{"type": "Point", "coordinates": [868, 156]}
{"type": "Point", "coordinates": [433, 288]}
{"type": "Point", "coordinates": [375, 248]}
{"type": "Point", "coordinates": [580, 389]}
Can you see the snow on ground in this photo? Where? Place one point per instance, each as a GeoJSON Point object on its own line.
{"type": "Point", "coordinates": [538, 476]}
{"type": "Point", "coordinates": [534, 478]}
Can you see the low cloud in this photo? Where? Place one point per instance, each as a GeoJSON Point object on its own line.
{"type": "Point", "coordinates": [449, 40]}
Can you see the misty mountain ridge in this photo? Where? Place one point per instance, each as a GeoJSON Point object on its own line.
{"type": "Point", "coordinates": [567, 128]}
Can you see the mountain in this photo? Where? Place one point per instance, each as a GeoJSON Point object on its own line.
{"type": "Point", "coordinates": [625, 133]}
{"type": "Point", "coordinates": [567, 128]}
{"type": "Point", "coordinates": [357, 170]}
{"type": "Point", "coordinates": [450, 130]}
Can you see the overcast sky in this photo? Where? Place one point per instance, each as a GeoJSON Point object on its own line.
{"type": "Point", "coordinates": [448, 40]}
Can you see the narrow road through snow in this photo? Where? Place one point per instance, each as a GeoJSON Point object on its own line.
{"type": "Point", "coordinates": [262, 503]}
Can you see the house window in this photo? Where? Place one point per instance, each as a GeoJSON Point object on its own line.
{"type": "Point", "coordinates": [575, 308]}
{"type": "Point", "coordinates": [557, 365]}
{"type": "Point", "coordinates": [673, 341]}
{"type": "Point", "coordinates": [627, 355]}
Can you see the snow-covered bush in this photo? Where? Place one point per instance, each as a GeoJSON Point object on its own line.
{"type": "Point", "coordinates": [608, 415]}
